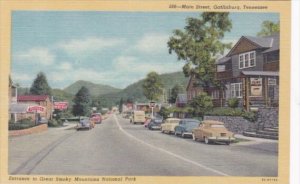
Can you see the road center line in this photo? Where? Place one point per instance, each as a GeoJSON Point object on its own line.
{"type": "Point", "coordinates": [168, 152]}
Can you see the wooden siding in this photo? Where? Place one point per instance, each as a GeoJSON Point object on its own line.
{"type": "Point", "coordinates": [243, 46]}
{"type": "Point", "coordinates": [227, 74]}
{"type": "Point", "coordinates": [259, 61]}
{"type": "Point", "coordinates": [273, 66]}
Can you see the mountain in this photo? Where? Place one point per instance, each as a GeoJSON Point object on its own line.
{"type": "Point", "coordinates": [95, 89]}
{"type": "Point", "coordinates": [134, 92]}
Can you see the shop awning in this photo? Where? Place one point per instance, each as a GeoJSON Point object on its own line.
{"type": "Point", "coordinates": [260, 73]}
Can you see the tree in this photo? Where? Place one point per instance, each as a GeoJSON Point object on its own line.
{"type": "Point", "coordinates": [201, 104]}
{"type": "Point", "coordinates": [177, 89]}
{"type": "Point", "coordinates": [40, 85]}
{"type": "Point", "coordinates": [82, 102]}
{"type": "Point", "coordinates": [269, 28]}
{"type": "Point", "coordinates": [164, 112]}
{"type": "Point", "coordinates": [152, 86]}
{"type": "Point", "coordinates": [199, 45]}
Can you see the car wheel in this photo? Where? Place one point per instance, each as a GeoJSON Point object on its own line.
{"type": "Point", "coordinates": [228, 143]}
{"type": "Point", "coordinates": [206, 140]}
{"type": "Point", "coordinates": [182, 135]}
{"type": "Point", "coordinates": [194, 137]}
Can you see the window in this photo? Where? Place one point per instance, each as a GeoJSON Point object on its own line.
{"type": "Point", "coordinates": [236, 90]}
{"type": "Point", "coordinates": [247, 60]}
{"type": "Point", "coordinates": [241, 61]}
{"type": "Point", "coordinates": [215, 94]}
{"type": "Point", "coordinates": [220, 68]}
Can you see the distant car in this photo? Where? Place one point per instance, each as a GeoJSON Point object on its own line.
{"type": "Point", "coordinates": [185, 127]}
{"type": "Point", "coordinates": [169, 125]}
{"type": "Point", "coordinates": [155, 124]}
{"type": "Point", "coordinates": [212, 131]}
{"type": "Point", "coordinates": [84, 123]}
{"type": "Point", "coordinates": [96, 118]}
{"type": "Point", "coordinates": [138, 117]}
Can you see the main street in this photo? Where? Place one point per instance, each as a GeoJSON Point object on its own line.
{"type": "Point", "coordinates": [117, 147]}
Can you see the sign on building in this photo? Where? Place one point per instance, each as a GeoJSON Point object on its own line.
{"type": "Point", "coordinates": [60, 105]}
{"type": "Point", "coordinates": [36, 109]}
{"type": "Point", "coordinates": [152, 104]}
{"type": "Point", "coordinates": [256, 86]}
{"type": "Point", "coordinates": [271, 82]}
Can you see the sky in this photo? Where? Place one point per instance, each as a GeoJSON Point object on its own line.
{"type": "Point", "coordinates": [112, 48]}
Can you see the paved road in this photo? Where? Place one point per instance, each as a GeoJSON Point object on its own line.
{"type": "Point", "coordinates": [117, 147]}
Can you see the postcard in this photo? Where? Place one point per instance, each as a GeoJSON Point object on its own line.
{"type": "Point", "coordinates": [98, 91]}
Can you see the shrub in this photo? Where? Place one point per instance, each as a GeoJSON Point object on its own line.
{"type": "Point", "coordinates": [223, 111]}
{"type": "Point", "coordinates": [201, 104]}
{"type": "Point", "coordinates": [55, 123]}
{"type": "Point", "coordinates": [22, 124]}
{"type": "Point", "coordinates": [233, 102]}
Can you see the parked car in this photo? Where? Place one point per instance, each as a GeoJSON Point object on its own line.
{"type": "Point", "coordinates": [185, 127]}
{"type": "Point", "coordinates": [96, 118]}
{"type": "Point", "coordinates": [212, 131]}
{"type": "Point", "coordinates": [85, 123]}
{"type": "Point", "coordinates": [138, 117]}
{"type": "Point", "coordinates": [155, 124]}
{"type": "Point", "coordinates": [169, 125]}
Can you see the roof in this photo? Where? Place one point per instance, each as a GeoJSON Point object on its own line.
{"type": "Point", "coordinates": [32, 97]}
{"type": "Point", "coordinates": [265, 42]}
{"type": "Point", "coordinates": [181, 98]}
{"type": "Point", "coordinates": [222, 60]}
{"type": "Point", "coordinates": [170, 119]}
{"type": "Point", "coordinates": [260, 73]}
{"type": "Point", "coordinates": [213, 122]}
{"type": "Point", "coordinates": [190, 119]}
{"type": "Point", "coordinates": [270, 43]}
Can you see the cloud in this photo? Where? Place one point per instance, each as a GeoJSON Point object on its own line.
{"type": "Point", "coordinates": [35, 55]}
{"type": "Point", "coordinates": [21, 77]}
{"type": "Point", "coordinates": [152, 42]}
{"type": "Point", "coordinates": [130, 64]}
{"type": "Point", "coordinates": [65, 66]}
{"type": "Point", "coordinates": [92, 44]}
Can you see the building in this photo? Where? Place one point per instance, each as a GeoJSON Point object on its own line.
{"type": "Point", "coordinates": [42, 104]}
{"type": "Point", "coordinates": [181, 100]}
{"type": "Point", "coordinates": [250, 72]}
{"type": "Point", "coordinates": [193, 88]}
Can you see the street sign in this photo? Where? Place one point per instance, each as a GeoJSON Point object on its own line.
{"type": "Point", "coordinates": [152, 104]}
{"type": "Point", "coordinates": [36, 109]}
{"type": "Point", "coordinates": [60, 105]}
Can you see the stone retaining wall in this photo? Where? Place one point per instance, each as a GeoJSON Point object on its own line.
{"type": "Point", "coordinates": [266, 117]}
{"type": "Point", "coordinates": [36, 129]}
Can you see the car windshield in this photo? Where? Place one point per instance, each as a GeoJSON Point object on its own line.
{"type": "Point", "coordinates": [192, 124]}
{"type": "Point", "coordinates": [157, 121]}
{"type": "Point", "coordinates": [217, 126]}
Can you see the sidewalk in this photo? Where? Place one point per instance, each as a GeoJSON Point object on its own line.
{"type": "Point", "coordinates": [66, 126]}
{"type": "Point", "coordinates": [268, 145]}
{"type": "Point", "coordinates": [256, 139]}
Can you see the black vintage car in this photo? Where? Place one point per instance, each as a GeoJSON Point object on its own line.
{"type": "Point", "coordinates": [185, 127]}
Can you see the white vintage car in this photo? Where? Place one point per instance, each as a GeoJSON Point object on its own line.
{"type": "Point", "coordinates": [169, 125]}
